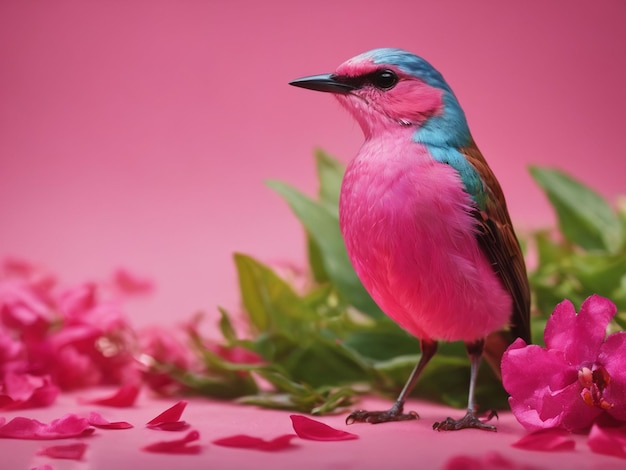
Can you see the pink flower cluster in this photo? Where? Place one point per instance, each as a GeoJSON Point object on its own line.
{"type": "Point", "coordinates": [577, 383]}
{"type": "Point", "coordinates": [54, 338]}
{"type": "Point", "coordinates": [578, 379]}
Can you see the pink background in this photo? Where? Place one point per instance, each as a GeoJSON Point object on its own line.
{"type": "Point", "coordinates": [140, 133]}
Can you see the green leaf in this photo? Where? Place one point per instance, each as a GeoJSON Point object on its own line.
{"type": "Point", "coordinates": [585, 218]}
{"type": "Point", "coordinates": [323, 226]}
{"type": "Point", "coordinates": [270, 301]}
{"type": "Point", "coordinates": [316, 261]}
{"type": "Point", "coordinates": [384, 342]}
{"type": "Point", "coordinates": [330, 174]}
{"type": "Point", "coordinates": [226, 327]}
{"type": "Point", "coordinates": [598, 273]}
{"type": "Point", "coordinates": [322, 362]}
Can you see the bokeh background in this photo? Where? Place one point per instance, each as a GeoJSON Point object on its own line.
{"type": "Point", "coordinates": [140, 133]}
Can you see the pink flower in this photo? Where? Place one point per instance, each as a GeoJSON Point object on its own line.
{"type": "Point", "coordinates": [71, 335]}
{"type": "Point", "coordinates": [163, 351]}
{"type": "Point", "coordinates": [26, 391]}
{"type": "Point", "coordinates": [579, 377]}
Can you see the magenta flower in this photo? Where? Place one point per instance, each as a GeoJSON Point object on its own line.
{"type": "Point", "coordinates": [577, 378]}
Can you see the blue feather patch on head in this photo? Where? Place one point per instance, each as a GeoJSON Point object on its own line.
{"type": "Point", "coordinates": [449, 129]}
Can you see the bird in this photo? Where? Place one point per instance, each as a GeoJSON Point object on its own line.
{"type": "Point", "coordinates": [425, 221]}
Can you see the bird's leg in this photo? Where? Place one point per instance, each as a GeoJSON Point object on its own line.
{"type": "Point", "coordinates": [395, 413]}
{"type": "Point", "coordinates": [470, 420]}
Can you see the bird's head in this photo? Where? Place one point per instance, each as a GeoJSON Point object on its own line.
{"type": "Point", "coordinates": [388, 89]}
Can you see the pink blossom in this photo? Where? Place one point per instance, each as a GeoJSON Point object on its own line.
{"type": "Point", "coordinates": [26, 391]}
{"type": "Point", "coordinates": [163, 351]}
{"type": "Point", "coordinates": [579, 377]}
{"type": "Point", "coordinates": [71, 335]}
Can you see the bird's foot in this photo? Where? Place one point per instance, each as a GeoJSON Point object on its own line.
{"type": "Point", "coordinates": [374, 417]}
{"type": "Point", "coordinates": [470, 420]}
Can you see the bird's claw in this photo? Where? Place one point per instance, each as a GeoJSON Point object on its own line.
{"type": "Point", "coordinates": [470, 420]}
{"type": "Point", "coordinates": [376, 417]}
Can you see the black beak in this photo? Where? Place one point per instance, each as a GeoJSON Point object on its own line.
{"type": "Point", "coordinates": [324, 82]}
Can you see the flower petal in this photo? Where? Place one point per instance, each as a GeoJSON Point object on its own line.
{"type": "Point", "coordinates": [544, 389]}
{"type": "Point", "coordinates": [307, 428]}
{"type": "Point", "coordinates": [580, 336]}
{"type": "Point", "coordinates": [178, 446]}
{"type": "Point", "coordinates": [169, 420]}
{"type": "Point", "coordinates": [130, 283]}
{"type": "Point", "coordinates": [27, 391]}
{"type": "Point", "coordinates": [608, 440]}
{"type": "Point", "coordinates": [613, 357]}
{"type": "Point", "coordinates": [95, 419]}
{"type": "Point", "coordinates": [171, 426]}
{"type": "Point", "coordinates": [243, 441]}
{"type": "Point", "coordinates": [43, 467]}
{"type": "Point", "coordinates": [488, 461]}
{"type": "Point", "coordinates": [67, 426]}
{"type": "Point", "coordinates": [546, 440]}
{"type": "Point", "coordinates": [68, 451]}
{"type": "Point", "coordinates": [124, 397]}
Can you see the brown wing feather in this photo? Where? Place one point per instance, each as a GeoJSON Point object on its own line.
{"type": "Point", "coordinates": [499, 242]}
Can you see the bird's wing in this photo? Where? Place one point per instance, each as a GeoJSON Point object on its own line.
{"type": "Point", "coordinates": [499, 242]}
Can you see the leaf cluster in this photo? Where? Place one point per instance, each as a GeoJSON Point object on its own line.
{"type": "Point", "coordinates": [587, 253]}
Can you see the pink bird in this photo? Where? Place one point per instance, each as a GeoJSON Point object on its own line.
{"type": "Point", "coordinates": [424, 219]}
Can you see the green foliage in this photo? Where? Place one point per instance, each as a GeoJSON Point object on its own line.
{"type": "Point", "coordinates": [588, 253]}
{"type": "Point", "coordinates": [319, 348]}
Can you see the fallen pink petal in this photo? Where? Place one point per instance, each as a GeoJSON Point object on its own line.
{"type": "Point", "coordinates": [124, 397]}
{"type": "Point", "coordinates": [178, 446]}
{"type": "Point", "coordinates": [489, 461]}
{"type": "Point", "coordinates": [242, 441]}
{"type": "Point", "coordinates": [169, 420]}
{"type": "Point", "coordinates": [43, 467]}
{"type": "Point", "coordinates": [307, 428]}
{"type": "Point", "coordinates": [69, 425]}
{"type": "Point", "coordinates": [608, 440]}
{"type": "Point", "coordinates": [549, 440]}
{"type": "Point", "coordinates": [97, 420]}
{"type": "Point", "coordinates": [68, 451]}
{"type": "Point", "coordinates": [130, 283]}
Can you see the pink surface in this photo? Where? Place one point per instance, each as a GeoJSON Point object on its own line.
{"type": "Point", "coordinates": [389, 446]}
{"type": "Point", "coordinates": [140, 133]}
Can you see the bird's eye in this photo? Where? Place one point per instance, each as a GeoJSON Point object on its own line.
{"type": "Point", "coordinates": [384, 79]}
